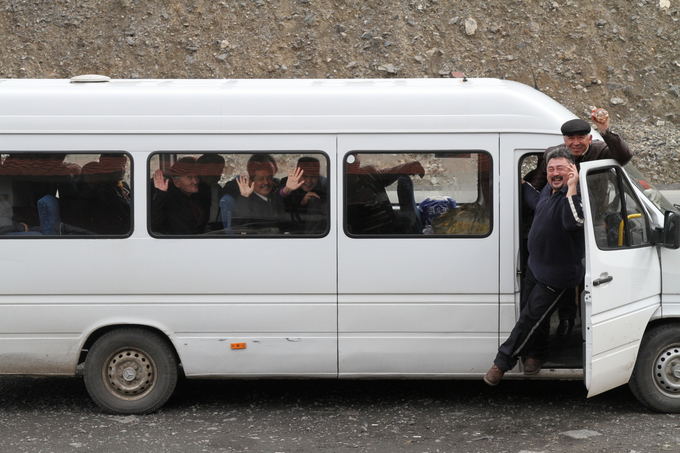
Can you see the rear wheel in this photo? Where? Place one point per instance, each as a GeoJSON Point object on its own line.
{"type": "Point", "coordinates": [130, 371]}
{"type": "Point", "coordinates": [656, 377]}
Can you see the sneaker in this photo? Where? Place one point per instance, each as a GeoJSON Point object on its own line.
{"type": "Point", "coordinates": [532, 365]}
{"type": "Point", "coordinates": [494, 376]}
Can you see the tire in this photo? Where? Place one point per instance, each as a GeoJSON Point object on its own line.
{"type": "Point", "coordinates": [130, 371]}
{"type": "Point", "coordinates": [656, 377]}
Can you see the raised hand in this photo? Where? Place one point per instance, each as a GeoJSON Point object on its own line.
{"type": "Point", "coordinates": [245, 186]}
{"type": "Point", "coordinates": [415, 168]}
{"type": "Point", "coordinates": [160, 182]}
{"type": "Point", "coordinates": [572, 180]}
{"type": "Point", "coordinates": [308, 196]}
{"type": "Point", "coordinates": [600, 117]}
{"type": "Point", "coordinates": [294, 180]}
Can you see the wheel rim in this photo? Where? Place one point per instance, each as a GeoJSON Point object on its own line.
{"type": "Point", "coordinates": [129, 374]}
{"type": "Point", "coordinates": [667, 371]}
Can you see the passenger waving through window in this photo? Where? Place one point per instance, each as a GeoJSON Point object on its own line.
{"type": "Point", "coordinates": [175, 208]}
{"type": "Point", "coordinates": [556, 252]}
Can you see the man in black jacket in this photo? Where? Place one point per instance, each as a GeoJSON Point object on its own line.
{"type": "Point", "coordinates": [305, 196]}
{"type": "Point", "coordinates": [175, 207]}
{"type": "Point", "coordinates": [259, 208]}
{"type": "Point", "coordinates": [556, 252]}
{"type": "Point", "coordinates": [579, 141]}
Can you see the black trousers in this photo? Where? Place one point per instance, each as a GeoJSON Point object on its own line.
{"type": "Point", "coordinates": [529, 337]}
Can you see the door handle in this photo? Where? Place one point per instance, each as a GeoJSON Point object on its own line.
{"type": "Point", "coordinates": [601, 280]}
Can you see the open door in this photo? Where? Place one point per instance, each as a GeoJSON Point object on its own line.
{"type": "Point", "coordinates": [623, 275]}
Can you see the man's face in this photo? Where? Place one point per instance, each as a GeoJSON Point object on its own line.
{"type": "Point", "coordinates": [310, 176]}
{"type": "Point", "coordinates": [187, 184]}
{"type": "Point", "coordinates": [263, 180]}
{"type": "Point", "coordinates": [578, 144]}
{"type": "Point", "coordinates": [558, 172]}
{"type": "Point", "coordinates": [309, 182]}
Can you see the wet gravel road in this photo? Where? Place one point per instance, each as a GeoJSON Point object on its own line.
{"type": "Point", "coordinates": [56, 415]}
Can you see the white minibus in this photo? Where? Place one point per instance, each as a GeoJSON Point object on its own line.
{"type": "Point", "coordinates": [157, 229]}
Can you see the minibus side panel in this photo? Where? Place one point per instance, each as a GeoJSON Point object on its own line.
{"type": "Point", "coordinates": [278, 294]}
{"type": "Point", "coordinates": [670, 268]}
{"type": "Point", "coordinates": [622, 281]}
{"type": "Point", "coordinates": [417, 305]}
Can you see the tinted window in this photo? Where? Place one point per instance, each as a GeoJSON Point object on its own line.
{"type": "Point", "coordinates": [238, 194]}
{"type": "Point", "coordinates": [418, 194]}
{"type": "Point", "coordinates": [59, 194]}
{"type": "Point", "coordinates": [618, 218]}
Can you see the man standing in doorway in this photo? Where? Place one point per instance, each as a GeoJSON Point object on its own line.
{"type": "Point", "coordinates": [579, 142]}
{"type": "Point", "coordinates": [556, 252]}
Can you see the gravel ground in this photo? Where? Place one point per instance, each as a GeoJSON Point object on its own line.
{"type": "Point", "coordinates": [55, 415]}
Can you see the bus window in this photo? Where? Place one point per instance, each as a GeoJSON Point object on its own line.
{"type": "Point", "coordinates": [59, 194]}
{"type": "Point", "coordinates": [238, 194]}
{"type": "Point", "coordinates": [418, 194]}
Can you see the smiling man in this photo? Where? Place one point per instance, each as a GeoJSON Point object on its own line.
{"type": "Point", "coordinates": [175, 209]}
{"type": "Point", "coordinates": [579, 141]}
{"type": "Point", "coordinates": [305, 196]}
{"type": "Point", "coordinates": [259, 208]}
{"type": "Point", "coordinates": [556, 251]}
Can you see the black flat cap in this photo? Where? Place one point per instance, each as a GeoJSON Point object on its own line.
{"type": "Point", "coordinates": [576, 127]}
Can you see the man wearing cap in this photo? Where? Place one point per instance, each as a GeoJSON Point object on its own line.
{"type": "Point", "coordinates": [579, 141]}
{"type": "Point", "coordinates": [175, 207]}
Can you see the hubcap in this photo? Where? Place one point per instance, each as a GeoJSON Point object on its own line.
{"type": "Point", "coordinates": [130, 374]}
{"type": "Point", "coordinates": [667, 371]}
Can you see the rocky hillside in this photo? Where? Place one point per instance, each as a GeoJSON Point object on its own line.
{"type": "Point", "coordinates": [619, 54]}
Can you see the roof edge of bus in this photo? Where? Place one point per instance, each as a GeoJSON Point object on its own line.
{"type": "Point", "coordinates": [258, 105]}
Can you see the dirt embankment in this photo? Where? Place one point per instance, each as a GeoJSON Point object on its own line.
{"type": "Point", "coordinates": [619, 54]}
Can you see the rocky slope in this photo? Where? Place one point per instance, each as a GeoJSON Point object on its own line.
{"type": "Point", "coordinates": [619, 54]}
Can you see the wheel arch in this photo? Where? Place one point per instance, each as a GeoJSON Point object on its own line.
{"type": "Point", "coordinates": [658, 322]}
{"type": "Point", "coordinates": [98, 332]}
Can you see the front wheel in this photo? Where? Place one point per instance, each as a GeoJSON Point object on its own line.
{"type": "Point", "coordinates": [130, 371]}
{"type": "Point", "coordinates": [656, 378]}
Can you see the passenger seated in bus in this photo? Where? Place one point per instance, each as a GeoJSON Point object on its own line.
{"type": "Point", "coordinates": [210, 169]}
{"type": "Point", "coordinates": [259, 207]}
{"type": "Point", "coordinates": [305, 197]}
{"type": "Point", "coordinates": [34, 175]}
{"type": "Point", "coordinates": [106, 195]}
{"type": "Point", "coordinates": [175, 208]}
{"type": "Point", "coordinates": [231, 190]}
{"type": "Point", "coordinates": [369, 209]}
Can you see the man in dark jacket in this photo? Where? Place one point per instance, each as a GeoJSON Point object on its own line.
{"type": "Point", "coordinates": [175, 207]}
{"type": "Point", "coordinates": [579, 141]}
{"type": "Point", "coordinates": [556, 252]}
{"type": "Point", "coordinates": [259, 208]}
{"type": "Point", "coordinates": [305, 196]}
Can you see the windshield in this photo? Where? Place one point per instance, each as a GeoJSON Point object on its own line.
{"type": "Point", "coordinates": [642, 183]}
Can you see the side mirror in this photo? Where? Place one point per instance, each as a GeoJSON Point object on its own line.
{"type": "Point", "coordinates": [671, 230]}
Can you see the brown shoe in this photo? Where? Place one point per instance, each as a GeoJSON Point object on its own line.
{"type": "Point", "coordinates": [494, 376]}
{"type": "Point", "coordinates": [532, 365]}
